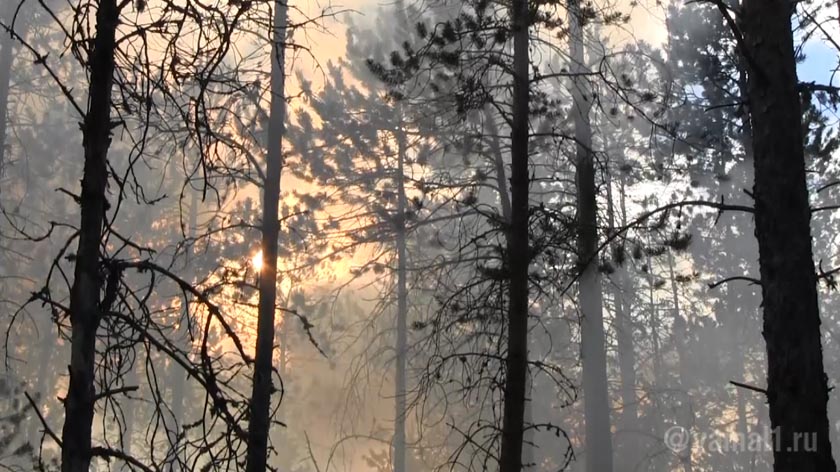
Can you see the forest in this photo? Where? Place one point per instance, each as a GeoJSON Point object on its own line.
{"type": "Point", "coordinates": [419, 235]}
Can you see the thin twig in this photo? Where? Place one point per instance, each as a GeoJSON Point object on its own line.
{"type": "Point", "coordinates": [47, 428]}
{"type": "Point", "coordinates": [748, 387]}
{"type": "Point", "coordinates": [116, 391]}
{"type": "Point", "coordinates": [717, 284]}
{"type": "Point", "coordinates": [311, 454]}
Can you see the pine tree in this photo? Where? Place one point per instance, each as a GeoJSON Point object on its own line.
{"type": "Point", "coordinates": [263, 386]}
{"type": "Point", "coordinates": [797, 388]}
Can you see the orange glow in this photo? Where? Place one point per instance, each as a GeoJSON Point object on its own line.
{"type": "Point", "coordinates": [257, 261]}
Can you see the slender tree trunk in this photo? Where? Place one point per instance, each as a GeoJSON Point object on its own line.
{"type": "Point", "coordinates": [656, 355]}
{"type": "Point", "coordinates": [402, 310]}
{"type": "Point", "coordinates": [285, 457]}
{"type": "Point", "coordinates": [686, 414]}
{"type": "Point", "coordinates": [594, 358]}
{"type": "Point", "coordinates": [516, 371]}
{"type": "Point", "coordinates": [84, 295]}
{"type": "Point", "coordinates": [797, 390]}
{"type": "Point", "coordinates": [262, 389]}
{"type": "Point", "coordinates": [504, 201]}
{"type": "Point", "coordinates": [627, 372]}
{"type": "Point", "coordinates": [628, 448]}
{"type": "Point", "coordinates": [6, 58]}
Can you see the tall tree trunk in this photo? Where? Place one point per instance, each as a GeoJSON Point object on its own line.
{"type": "Point", "coordinates": [797, 390]}
{"type": "Point", "coordinates": [686, 413]}
{"type": "Point", "coordinates": [628, 448]}
{"type": "Point", "coordinates": [400, 411]}
{"type": "Point", "coordinates": [627, 372]}
{"type": "Point", "coordinates": [262, 389]}
{"type": "Point", "coordinates": [85, 312]}
{"type": "Point", "coordinates": [746, 458]}
{"type": "Point", "coordinates": [657, 461]}
{"type": "Point", "coordinates": [516, 363]}
{"type": "Point", "coordinates": [402, 310]}
{"type": "Point", "coordinates": [504, 201]}
{"type": "Point", "coordinates": [6, 45]}
{"type": "Point", "coordinates": [594, 358]}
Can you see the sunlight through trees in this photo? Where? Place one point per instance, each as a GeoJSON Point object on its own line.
{"type": "Point", "coordinates": [417, 236]}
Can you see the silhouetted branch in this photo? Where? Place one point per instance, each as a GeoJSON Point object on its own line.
{"type": "Point", "coordinates": [713, 285]}
{"type": "Point", "coordinates": [748, 387]}
{"type": "Point", "coordinates": [47, 430]}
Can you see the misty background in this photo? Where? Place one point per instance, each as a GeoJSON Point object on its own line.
{"type": "Point", "coordinates": [380, 136]}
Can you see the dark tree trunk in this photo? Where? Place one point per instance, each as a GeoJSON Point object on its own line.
{"type": "Point", "coordinates": [593, 354]}
{"type": "Point", "coordinates": [262, 389]}
{"type": "Point", "coordinates": [797, 390]}
{"type": "Point", "coordinates": [84, 296]}
{"type": "Point", "coordinates": [516, 371]}
{"type": "Point", "coordinates": [504, 201]}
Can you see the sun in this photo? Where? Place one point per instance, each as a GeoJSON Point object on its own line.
{"type": "Point", "coordinates": [257, 261]}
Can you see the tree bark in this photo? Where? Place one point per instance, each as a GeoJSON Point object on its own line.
{"type": "Point", "coordinates": [516, 362]}
{"type": "Point", "coordinates": [797, 390]}
{"type": "Point", "coordinates": [594, 359]}
{"type": "Point", "coordinates": [262, 389]}
{"type": "Point", "coordinates": [504, 201]}
{"type": "Point", "coordinates": [85, 312]}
